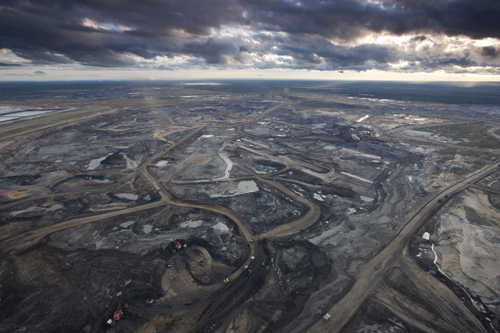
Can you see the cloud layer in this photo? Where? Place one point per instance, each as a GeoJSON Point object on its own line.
{"type": "Point", "coordinates": [395, 35]}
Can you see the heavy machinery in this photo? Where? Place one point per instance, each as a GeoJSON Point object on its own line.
{"type": "Point", "coordinates": [117, 314]}
{"type": "Point", "coordinates": [177, 246]}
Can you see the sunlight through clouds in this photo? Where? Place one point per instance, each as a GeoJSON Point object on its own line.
{"type": "Point", "coordinates": [392, 36]}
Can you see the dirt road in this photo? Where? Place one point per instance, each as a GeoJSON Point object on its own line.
{"type": "Point", "coordinates": [26, 240]}
{"type": "Point", "coordinates": [368, 279]}
{"type": "Point", "coordinates": [295, 226]}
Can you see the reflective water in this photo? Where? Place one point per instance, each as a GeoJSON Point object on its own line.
{"type": "Point", "coordinates": [22, 114]}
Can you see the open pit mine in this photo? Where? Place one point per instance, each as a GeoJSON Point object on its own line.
{"type": "Point", "coordinates": [227, 208]}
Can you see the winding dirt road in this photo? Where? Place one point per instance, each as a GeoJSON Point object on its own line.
{"type": "Point", "coordinates": [368, 280]}
{"type": "Point", "coordinates": [24, 241]}
{"type": "Point", "coordinates": [295, 226]}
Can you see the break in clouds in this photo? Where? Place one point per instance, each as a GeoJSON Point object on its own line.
{"type": "Point", "coordinates": [455, 36]}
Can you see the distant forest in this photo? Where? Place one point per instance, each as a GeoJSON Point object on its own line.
{"type": "Point", "coordinates": [463, 93]}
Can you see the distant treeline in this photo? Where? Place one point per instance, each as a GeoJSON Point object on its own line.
{"type": "Point", "coordinates": [463, 93]}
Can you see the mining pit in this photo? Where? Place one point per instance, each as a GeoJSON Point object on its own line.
{"type": "Point", "coordinates": [249, 213]}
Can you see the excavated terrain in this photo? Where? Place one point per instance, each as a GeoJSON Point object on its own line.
{"type": "Point", "coordinates": [248, 213]}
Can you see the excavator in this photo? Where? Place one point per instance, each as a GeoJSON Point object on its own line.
{"type": "Point", "coordinates": [178, 246]}
{"type": "Point", "coordinates": [117, 314]}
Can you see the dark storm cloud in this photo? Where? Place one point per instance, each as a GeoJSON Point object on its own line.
{"type": "Point", "coordinates": [214, 50]}
{"type": "Point", "coordinates": [5, 64]}
{"type": "Point", "coordinates": [347, 19]}
{"type": "Point", "coordinates": [54, 31]}
{"type": "Point", "coordinates": [112, 33]}
{"type": "Point", "coordinates": [36, 73]}
{"type": "Point", "coordinates": [489, 51]}
{"type": "Point", "coordinates": [164, 68]}
{"type": "Point", "coordinates": [417, 39]}
{"type": "Point", "coordinates": [219, 50]}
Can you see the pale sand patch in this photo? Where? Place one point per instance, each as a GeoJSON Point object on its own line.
{"type": "Point", "coordinates": [191, 224]}
{"type": "Point", "coordinates": [5, 144]}
{"type": "Point", "coordinates": [15, 194]}
{"type": "Point", "coordinates": [468, 252]}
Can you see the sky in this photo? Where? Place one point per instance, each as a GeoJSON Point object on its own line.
{"type": "Point", "coordinates": [420, 40]}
